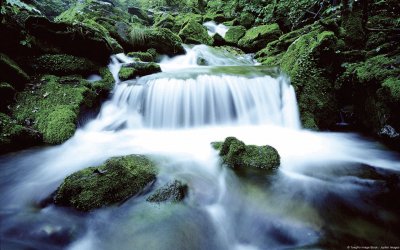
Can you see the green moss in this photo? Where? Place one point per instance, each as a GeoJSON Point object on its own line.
{"type": "Point", "coordinates": [160, 39]}
{"type": "Point", "coordinates": [258, 37]}
{"type": "Point", "coordinates": [59, 125]}
{"type": "Point", "coordinates": [39, 104]}
{"type": "Point", "coordinates": [393, 84]}
{"type": "Point", "coordinates": [307, 61]}
{"type": "Point", "coordinates": [143, 56]}
{"type": "Point", "coordinates": [374, 69]}
{"type": "Point", "coordinates": [246, 19]}
{"type": "Point", "coordinates": [165, 21]}
{"type": "Point", "coordinates": [195, 33]}
{"type": "Point", "coordinates": [236, 154]}
{"type": "Point", "coordinates": [12, 73]}
{"type": "Point", "coordinates": [233, 35]}
{"type": "Point", "coordinates": [126, 73]}
{"type": "Point", "coordinates": [14, 136]}
{"type": "Point", "coordinates": [62, 64]}
{"type": "Point", "coordinates": [138, 69]}
{"type": "Point", "coordinates": [118, 179]}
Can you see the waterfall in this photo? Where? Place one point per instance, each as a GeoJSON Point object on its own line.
{"type": "Point", "coordinates": [172, 117]}
{"type": "Point", "coordinates": [198, 96]}
{"type": "Point", "coordinates": [214, 28]}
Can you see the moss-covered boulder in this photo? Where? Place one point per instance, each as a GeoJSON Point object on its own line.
{"type": "Point", "coordinates": [52, 105]}
{"type": "Point", "coordinates": [236, 154]}
{"type": "Point", "coordinates": [142, 56]}
{"type": "Point", "coordinates": [160, 39]}
{"type": "Point", "coordinates": [14, 136]}
{"type": "Point", "coordinates": [195, 33]}
{"type": "Point", "coordinates": [245, 19]}
{"type": "Point", "coordinates": [62, 65]}
{"type": "Point", "coordinates": [258, 37]}
{"type": "Point", "coordinates": [65, 38]}
{"type": "Point", "coordinates": [115, 181]}
{"type": "Point", "coordinates": [218, 18]}
{"type": "Point", "coordinates": [234, 34]}
{"type": "Point", "coordinates": [135, 69]}
{"type": "Point", "coordinates": [12, 73]}
{"type": "Point", "coordinates": [173, 192]}
{"type": "Point", "coordinates": [310, 62]}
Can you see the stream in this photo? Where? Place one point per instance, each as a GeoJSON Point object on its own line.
{"type": "Point", "coordinates": [332, 190]}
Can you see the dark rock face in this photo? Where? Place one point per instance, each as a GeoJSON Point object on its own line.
{"type": "Point", "coordinates": [174, 192]}
{"type": "Point", "coordinates": [236, 154]}
{"type": "Point", "coordinates": [79, 40]}
{"type": "Point", "coordinates": [118, 179]}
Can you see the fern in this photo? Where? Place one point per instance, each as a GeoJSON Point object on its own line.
{"type": "Point", "coordinates": [138, 36]}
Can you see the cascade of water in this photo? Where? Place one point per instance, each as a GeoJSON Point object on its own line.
{"type": "Point", "coordinates": [214, 28]}
{"type": "Point", "coordinates": [223, 210]}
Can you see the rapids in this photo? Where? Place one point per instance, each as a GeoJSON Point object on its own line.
{"type": "Point", "coordinates": [331, 189]}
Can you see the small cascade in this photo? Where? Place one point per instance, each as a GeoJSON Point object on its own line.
{"type": "Point", "coordinates": [214, 28]}
{"type": "Point", "coordinates": [198, 95]}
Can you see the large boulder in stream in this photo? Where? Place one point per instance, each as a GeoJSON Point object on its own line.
{"type": "Point", "coordinates": [115, 181]}
{"type": "Point", "coordinates": [195, 33]}
{"type": "Point", "coordinates": [236, 155]}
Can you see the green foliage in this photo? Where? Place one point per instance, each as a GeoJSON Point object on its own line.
{"type": "Point", "coordinates": [115, 181]}
{"type": "Point", "coordinates": [393, 84]}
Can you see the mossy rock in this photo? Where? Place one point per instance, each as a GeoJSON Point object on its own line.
{"type": "Point", "coordinates": [12, 73]}
{"type": "Point", "coordinates": [59, 125]}
{"type": "Point", "coordinates": [14, 136]}
{"type": "Point", "coordinates": [236, 154]}
{"type": "Point", "coordinates": [162, 40]}
{"type": "Point", "coordinates": [309, 62]}
{"type": "Point", "coordinates": [218, 18]}
{"type": "Point", "coordinates": [165, 21]}
{"type": "Point", "coordinates": [233, 34]}
{"type": "Point", "coordinates": [115, 181]}
{"type": "Point", "coordinates": [195, 33]}
{"type": "Point", "coordinates": [51, 103]}
{"type": "Point", "coordinates": [142, 56]}
{"type": "Point", "coordinates": [174, 191]}
{"type": "Point", "coordinates": [245, 19]}
{"type": "Point", "coordinates": [258, 37]}
{"type": "Point", "coordinates": [65, 38]}
{"type": "Point", "coordinates": [393, 85]}
{"type": "Point", "coordinates": [62, 65]}
{"type": "Point", "coordinates": [133, 70]}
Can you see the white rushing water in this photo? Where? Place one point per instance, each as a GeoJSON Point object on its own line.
{"type": "Point", "coordinates": [173, 117]}
{"type": "Point", "coordinates": [214, 28]}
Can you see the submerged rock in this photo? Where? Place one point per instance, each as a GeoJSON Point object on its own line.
{"type": "Point", "coordinates": [118, 179]}
{"type": "Point", "coordinates": [174, 191]}
{"type": "Point", "coordinates": [236, 154]}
